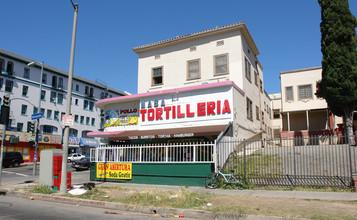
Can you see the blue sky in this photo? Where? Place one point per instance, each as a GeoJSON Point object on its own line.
{"type": "Point", "coordinates": [287, 32]}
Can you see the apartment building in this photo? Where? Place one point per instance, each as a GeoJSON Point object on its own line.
{"type": "Point", "coordinates": [22, 83]}
{"type": "Point", "coordinates": [301, 112]}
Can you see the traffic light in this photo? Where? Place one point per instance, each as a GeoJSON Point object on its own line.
{"type": "Point", "coordinates": [5, 110]}
{"type": "Point", "coordinates": [32, 126]}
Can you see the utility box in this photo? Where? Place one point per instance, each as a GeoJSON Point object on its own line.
{"type": "Point", "coordinates": [46, 166]}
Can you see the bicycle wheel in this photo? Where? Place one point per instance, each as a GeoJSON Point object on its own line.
{"type": "Point", "coordinates": [213, 181]}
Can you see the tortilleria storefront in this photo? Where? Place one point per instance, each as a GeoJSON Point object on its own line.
{"type": "Point", "coordinates": [167, 136]}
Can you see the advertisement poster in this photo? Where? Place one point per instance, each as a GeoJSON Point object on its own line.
{"type": "Point", "coordinates": [114, 170]}
{"type": "Point", "coordinates": [121, 117]}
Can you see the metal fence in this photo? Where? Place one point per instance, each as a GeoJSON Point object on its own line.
{"type": "Point", "coordinates": [155, 153]}
{"type": "Point", "coordinates": [324, 161]}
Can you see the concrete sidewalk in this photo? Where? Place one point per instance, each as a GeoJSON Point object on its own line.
{"type": "Point", "coordinates": [342, 196]}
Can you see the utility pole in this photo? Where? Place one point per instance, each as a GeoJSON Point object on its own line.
{"type": "Point", "coordinates": [63, 186]}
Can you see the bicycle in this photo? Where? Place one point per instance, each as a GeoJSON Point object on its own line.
{"type": "Point", "coordinates": [214, 180]}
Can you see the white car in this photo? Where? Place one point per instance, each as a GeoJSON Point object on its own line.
{"type": "Point", "coordinates": [74, 157]}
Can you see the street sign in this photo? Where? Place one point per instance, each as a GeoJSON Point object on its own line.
{"type": "Point", "coordinates": [67, 120]}
{"type": "Point", "coordinates": [36, 116]}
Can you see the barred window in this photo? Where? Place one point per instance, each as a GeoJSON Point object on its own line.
{"type": "Point", "coordinates": [305, 92]}
{"type": "Point", "coordinates": [156, 76]}
{"type": "Point", "coordinates": [289, 93]}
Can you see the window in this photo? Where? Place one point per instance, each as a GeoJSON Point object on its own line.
{"type": "Point", "coordinates": [44, 78]}
{"type": "Point", "coordinates": [261, 85]}
{"type": "Point", "coordinates": [76, 118]}
{"type": "Point", "coordinates": [9, 85]}
{"type": "Point", "coordinates": [53, 97]}
{"type": "Point", "coordinates": [91, 106]}
{"type": "Point", "coordinates": [56, 116]}
{"type": "Point", "coordinates": [28, 126]}
{"type": "Point", "coordinates": [305, 92]}
{"type": "Point", "coordinates": [85, 105]}
{"type": "Point", "coordinates": [54, 81]}
{"type": "Point", "coordinates": [48, 129]}
{"type": "Point", "coordinates": [73, 132]}
{"type": "Point", "coordinates": [77, 88]}
{"type": "Point", "coordinates": [256, 78]}
{"type": "Point", "coordinates": [43, 95]}
{"type": "Point", "coordinates": [49, 114]}
{"type": "Point", "coordinates": [76, 102]}
{"type": "Point", "coordinates": [93, 121]}
{"type": "Point", "coordinates": [24, 110]}
{"type": "Point", "coordinates": [91, 92]}
{"type": "Point", "coordinates": [43, 112]}
{"type": "Point", "coordinates": [27, 73]}
{"type": "Point", "coordinates": [1, 82]}
{"type": "Point", "coordinates": [87, 120]}
{"type": "Point", "coordinates": [221, 64]}
{"type": "Point", "coordinates": [248, 70]}
{"type": "Point", "coordinates": [19, 127]}
{"type": "Point", "coordinates": [263, 117]}
{"type": "Point", "coordinates": [86, 90]}
{"type": "Point", "coordinates": [2, 64]}
{"type": "Point", "coordinates": [276, 113]}
{"type": "Point", "coordinates": [289, 93]}
{"type": "Point", "coordinates": [10, 68]}
{"type": "Point", "coordinates": [193, 69]}
{"type": "Point", "coordinates": [60, 98]}
{"type": "Point", "coordinates": [82, 120]}
{"type": "Point", "coordinates": [62, 113]}
{"type": "Point", "coordinates": [257, 113]}
{"type": "Point", "coordinates": [35, 110]}
{"type": "Point", "coordinates": [265, 106]}
{"type": "Point", "coordinates": [156, 76]}
{"type": "Point", "coordinates": [60, 83]}
{"type": "Point", "coordinates": [25, 90]}
{"type": "Point", "coordinates": [249, 109]}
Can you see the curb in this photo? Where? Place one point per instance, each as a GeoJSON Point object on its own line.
{"type": "Point", "coordinates": [163, 212]}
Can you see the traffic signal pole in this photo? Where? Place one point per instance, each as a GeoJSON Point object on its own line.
{"type": "Point", "coordinates": [4, 120]}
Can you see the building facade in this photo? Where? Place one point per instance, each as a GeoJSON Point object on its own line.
{"type": "Point", "coordinates": [22, 83]}
{"type": "Point", "coordinates": [220, 54]}
{"type": "Point", "coordinates": [302, 113]}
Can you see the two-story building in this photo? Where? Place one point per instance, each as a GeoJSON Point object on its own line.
{"type": "Point", "coordinates": [210, 67]}
{"type": "Point", "coordinates": [22, 83]}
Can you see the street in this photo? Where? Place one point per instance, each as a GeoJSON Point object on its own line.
{"type": "Point", "coordinates": [23, 174]}
{"type": "Point", "coordinates": [17, 208]}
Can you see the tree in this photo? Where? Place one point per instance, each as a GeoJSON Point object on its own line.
{"type": "Point", "coordinates": [338, 85]}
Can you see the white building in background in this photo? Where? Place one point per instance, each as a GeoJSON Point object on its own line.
{"type": "Point", "coordinates": [22, 83]}
{"type": "Point", "coordinates": [297, 111]}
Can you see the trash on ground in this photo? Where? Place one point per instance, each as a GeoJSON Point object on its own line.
{"type": "Point", "coordinates": [77, 192]}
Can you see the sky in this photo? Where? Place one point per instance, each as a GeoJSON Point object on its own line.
{"type": "Point", "coordinates": [286, 32]}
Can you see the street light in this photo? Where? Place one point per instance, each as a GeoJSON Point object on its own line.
{"type": "Point", "coordinates": [38, 120]}
{"type": "Point", "coordinates": [63, 186]}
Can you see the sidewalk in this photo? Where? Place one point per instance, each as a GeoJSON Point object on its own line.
{"type": "Point", "coordinates": [188, 213]}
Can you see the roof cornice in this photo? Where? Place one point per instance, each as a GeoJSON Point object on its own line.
{"type": "Point", "coordinates": [300, 70]}
{"type": "Point", "coordinates": [214, 31]}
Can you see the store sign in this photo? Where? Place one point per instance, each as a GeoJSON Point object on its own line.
{"type": "Point", "coordinates": [186, 111]}
{"type": "Point", "coordinates": [114, 170]}
{"type": "Point", "coordinates": [144, 137]}
{"type": "Point", "coordinates": [121, 116]}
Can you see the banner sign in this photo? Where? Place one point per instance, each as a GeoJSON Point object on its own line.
{"type": "Point", "coordinates": [114, 170]}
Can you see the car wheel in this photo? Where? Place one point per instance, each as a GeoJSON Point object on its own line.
{"type": "Point", "coordinates": [15, 164]}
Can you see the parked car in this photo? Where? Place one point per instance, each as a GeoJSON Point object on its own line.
{"type": "Point", "coordinates": [75, 157]}
{"type": "Point", "coordinates": [82, 164]}
{"type": "Point", "coordinates": [12, 158]}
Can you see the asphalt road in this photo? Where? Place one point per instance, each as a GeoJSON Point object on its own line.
{"type": "Point", "coordinates": [23, 174]}
{"type": "Point", "coordinates": [17, 208]}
